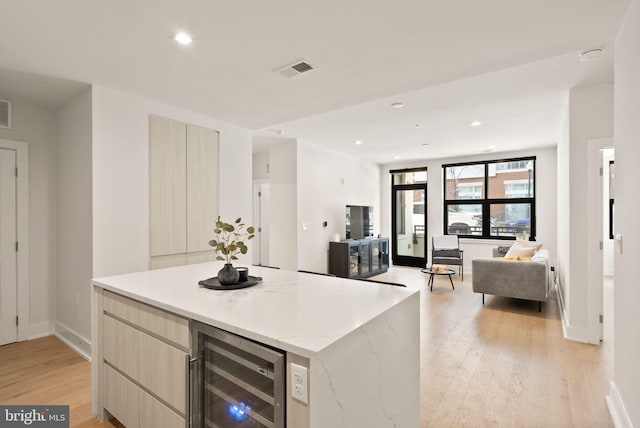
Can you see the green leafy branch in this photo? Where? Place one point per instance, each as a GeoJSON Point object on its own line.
{"type": "Point", "coordinates": [230, 239]}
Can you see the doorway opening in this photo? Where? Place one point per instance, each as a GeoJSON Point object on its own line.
{"type": "Point", "coordinates": [409, 217]}
{"type": "Point", "coordinates": [608, 239]}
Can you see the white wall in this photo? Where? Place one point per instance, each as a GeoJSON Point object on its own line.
{"type": "Point", "coordinates": [327, 182]}
{"type": "Point", "coordinates": [283, 200]}
{"type": "Point", "coordinates": [590, 117]}
{"type": "Point", "coordinates": [73, 212]}
{"type": "Point", "coordinates": [36, 125]}
{"type": "Point", "coordinates": [626, 375]}
{"type": "Point", "coordinates": [121, 171]}
{"type": "Point", "coordinates": [563, 262]}
{"type": "Point", "coordinates": [546, 183]}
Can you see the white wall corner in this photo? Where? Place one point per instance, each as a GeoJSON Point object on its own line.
{"type": "Point", "coordinates": [41, 329]}
{"type": "Point", "coordinates": [576, 334]}
{"type": "Point", "coordinates": [616, 408]}
{"type": "Point", "coordinates": [72, 339]}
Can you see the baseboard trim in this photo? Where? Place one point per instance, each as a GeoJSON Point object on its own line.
{"type": "Point", "coordinates": [576, 334]}
{"type": "Point", "coordinates": [616, 407]}
{"type": "Point", "coordinates": [72, 339]}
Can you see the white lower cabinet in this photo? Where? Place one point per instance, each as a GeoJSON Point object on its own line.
{"type": "Point", "coordinates": [146, 364]}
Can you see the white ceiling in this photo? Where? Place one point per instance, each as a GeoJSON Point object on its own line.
{"type": "Point", "coordinates": [364, 50]}
{"type": "Point", "coordinates": [519, 107]}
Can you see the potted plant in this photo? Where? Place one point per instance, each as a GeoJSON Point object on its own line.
{"type": "Point", "coordinates": [229, 241]}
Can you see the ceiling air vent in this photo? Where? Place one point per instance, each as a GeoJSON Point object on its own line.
{"type": "Point", "coordinates": [295, 69]}
{"type": "Point", "coordinates": [5, 114]}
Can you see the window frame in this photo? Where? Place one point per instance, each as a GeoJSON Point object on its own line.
{"type": "Point", "coordinates": [487, 202]}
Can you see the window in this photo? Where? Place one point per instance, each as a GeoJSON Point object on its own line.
{"type": "Point", "coordinates": [490, 199]}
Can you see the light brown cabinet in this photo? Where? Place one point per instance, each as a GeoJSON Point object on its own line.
{"type": "Point", "coordinates": [183, 191]}
{"type": "Point", "coordinates": [145, 363]}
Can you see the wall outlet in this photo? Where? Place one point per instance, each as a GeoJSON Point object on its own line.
{"type": "Point", "coordinates": [299, 383]}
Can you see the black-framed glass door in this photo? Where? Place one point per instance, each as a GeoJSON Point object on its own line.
{"type": "Point", "coordinates": [409, 217]}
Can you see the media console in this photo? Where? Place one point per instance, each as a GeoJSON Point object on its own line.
{"type": "Point", "coordinates": [359, 258]}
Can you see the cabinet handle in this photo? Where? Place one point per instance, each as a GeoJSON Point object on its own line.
{"type": "Point", "coordinates": [188, 369]}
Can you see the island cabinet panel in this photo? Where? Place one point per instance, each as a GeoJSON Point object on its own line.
{"type": "Point", "coordinates": [163, 371]}
{"type": "Point", "coordinates": [121, 344]}
{"type": "Point", "coordinates": [121, 307]}
{"type": "Point", "coordinates": [145, 361]}
{"type": "Point", "coordinates": [154, 414]}
{"type": "Point", "coordinates": [152, 320]}
{"type": "Point", "coordinates": [122, 398]}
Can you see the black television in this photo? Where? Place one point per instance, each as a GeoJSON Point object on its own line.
{"type": "Point", "coordinates": [359, 221]}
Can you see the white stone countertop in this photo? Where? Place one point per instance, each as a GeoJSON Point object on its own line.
{"type": "Point", "coordinates": [296, 312]}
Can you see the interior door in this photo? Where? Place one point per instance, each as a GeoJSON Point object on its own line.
{"type": "Point", "coordinates": [8, 254]}
{"type": "Point", "coordinates": [409, 214]}
{"type": "Point", "coordinates": [261, 220]}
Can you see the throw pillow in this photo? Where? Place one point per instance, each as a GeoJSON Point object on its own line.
{"type": "Point", "coordinates": [534, 244]}
{"type": "Point", "coordinates": [520, 250]}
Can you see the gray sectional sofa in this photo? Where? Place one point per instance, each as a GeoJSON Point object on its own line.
{"type": "Point", "coordinates": [528, 280]}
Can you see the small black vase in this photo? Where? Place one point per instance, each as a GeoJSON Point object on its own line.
{"type": "Point", "coordinates": [228, 275]}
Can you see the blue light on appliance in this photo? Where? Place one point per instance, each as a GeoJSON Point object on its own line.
{"type": "Point", "coordinates": [238, 412]}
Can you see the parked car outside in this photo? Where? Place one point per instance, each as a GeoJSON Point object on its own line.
{"type": "Point", "coordinates": [460, 222]}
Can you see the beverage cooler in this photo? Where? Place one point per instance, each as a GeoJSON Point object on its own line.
{"type": "Point", "coordinates": [235, 382]}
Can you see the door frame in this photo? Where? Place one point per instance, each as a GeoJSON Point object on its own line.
{"type": "Point", "coordinates": [22, 231]}
{"type": "Point", "coordinates": [595, 253]}
{"type": "Point", "coordinates": [261, 213]}
{"type": "Point", "coordinates": [401, 260]}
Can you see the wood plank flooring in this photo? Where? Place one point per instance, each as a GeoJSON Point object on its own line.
{"type": "Point", "coordinates": [47, 372]}
{"type": "Point", "coordinates": [501, 365]}
{"type": "Point", "coordinates": [504, 364]}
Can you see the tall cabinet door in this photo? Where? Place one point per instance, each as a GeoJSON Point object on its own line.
{"type": "Point", "coordinates": [202, 187]}
{"type": "Point", "coordinates": [168, 186]}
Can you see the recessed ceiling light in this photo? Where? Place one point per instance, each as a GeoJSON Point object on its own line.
{"type": "Point", "coordinates": [425, 144]}
{"type": "Point", "coordinates": [417, 125]}
{"type": "Point", "coordinates": [183, 38]}
{"type": "Point", "coordinates": [492, 147]}
{"type": "Point", "coordinates": [590, 54]}
{"type": "Point", "coordinates": [397, 105]}
{"type": "Point", "coordinates": [475, 123]}
{"type": "Point", "coordinates": [397, 157]}
{"type": "Point", "coordinates": [358, 142]}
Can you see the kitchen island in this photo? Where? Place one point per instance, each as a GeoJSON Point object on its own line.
{"type": "Point", "coordinates": [358, 340]}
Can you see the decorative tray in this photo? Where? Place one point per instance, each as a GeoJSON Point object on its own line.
{"type": "Point", "coordinates": [214, 284]}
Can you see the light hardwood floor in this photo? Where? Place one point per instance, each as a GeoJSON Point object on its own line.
{"type": "Point", "coordinates": [47, 372]}
{"type": "Point", "coordinates": [504, 364]}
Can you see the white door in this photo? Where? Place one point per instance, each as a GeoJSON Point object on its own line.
{"type": "Point", "coordinates": [261, 212]}
{"type": "Point", "coordinates": [8, 254]}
